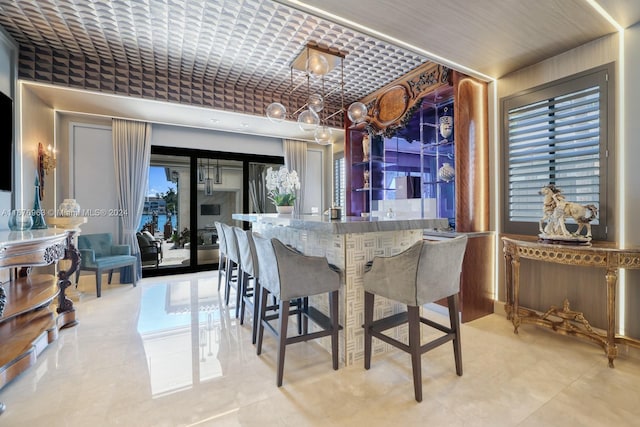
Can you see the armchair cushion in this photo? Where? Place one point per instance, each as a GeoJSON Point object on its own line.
{"type": "Point", "coordinates": [99, 253]}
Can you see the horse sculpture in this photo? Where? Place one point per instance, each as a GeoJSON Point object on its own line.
{"type": "Point", "coordinates": [556, 209]}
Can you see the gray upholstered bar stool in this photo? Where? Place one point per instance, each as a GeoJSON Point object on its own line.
{"type": "Point", "coordinates": [233, 263]}
{"type": "Point", "coordinates": [289, 275]}
{"type": "Point", "coordinates": [426, 272]}
{"type": "Point", "coordinates": [248, 271]}
{"type": "Point", "coordinates": [222, 253]}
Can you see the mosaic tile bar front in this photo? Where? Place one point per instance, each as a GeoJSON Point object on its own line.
{"type": "Point", "coordinates": [350, 252]}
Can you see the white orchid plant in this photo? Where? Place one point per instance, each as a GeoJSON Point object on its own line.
{"type": "Point", "coordinates": [282, 185]}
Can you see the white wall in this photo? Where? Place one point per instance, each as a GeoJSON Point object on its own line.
{"type": "Point", "coordinates": [93, 183]}
{"type": "Point", "coordinates": [184, 137]}
{"type": "Point", "coordinates": [37, 121]}
{"type": "Point", "coordinates": [631, 134]}
{"type": "Point", "coordinates": [630, 192]}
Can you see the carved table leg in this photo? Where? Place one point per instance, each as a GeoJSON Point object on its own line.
{"type": "Point", "coordinates": [66, 311]}
{"type": "Point", "coordinates": [508, 259]}
{"type": "Point", "coordinates": [611, 348]}
{"type": "Point", "coordinates": [515, 315]}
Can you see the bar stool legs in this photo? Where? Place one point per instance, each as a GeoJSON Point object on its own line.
{"type": "Point", "coordinates": [426, 272]}
{"type": "Point", "coordinates": [415, 348]}
{"type": "Point", "coordinates": [285, 309]}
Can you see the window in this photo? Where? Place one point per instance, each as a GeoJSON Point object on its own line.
{"type": "Point", "coordinates": [559, 134]}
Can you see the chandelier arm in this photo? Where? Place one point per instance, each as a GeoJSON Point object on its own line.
{"type": "Point", "coordinates": [334, 113]}
{"type": "Point", "coordinates": [342, 83]}
{"type": "Point", "coordinates": [300, 109]}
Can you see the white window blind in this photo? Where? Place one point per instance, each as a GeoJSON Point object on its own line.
{"type": "Point", "coordinates": [556, 135]}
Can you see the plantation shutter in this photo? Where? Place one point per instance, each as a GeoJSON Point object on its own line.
{"type": "Point", "coordinates": [556, 136]}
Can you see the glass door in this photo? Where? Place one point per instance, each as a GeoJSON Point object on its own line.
{"type": "Point", "coordinates": [219, 195]}
{"type": "Point", "coordinates": [258, 200]}
{"type": "Point", "coordinates": [188, 191]}
{"type": "Point", "coordinates": [165, 222]}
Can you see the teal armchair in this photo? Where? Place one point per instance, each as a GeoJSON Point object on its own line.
{"type": "Point", "coordinates": [99, 254]}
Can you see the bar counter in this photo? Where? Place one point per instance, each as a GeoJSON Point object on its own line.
{"type": "Point", "coordinates": [348, 243]}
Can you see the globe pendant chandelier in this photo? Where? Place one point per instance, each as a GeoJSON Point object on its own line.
{"type": "Point", "coordinates": [316, 63]}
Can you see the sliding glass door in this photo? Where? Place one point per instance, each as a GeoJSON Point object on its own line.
{"type": "Point", "coordinates": [219, 195]}
{"type": "Point", "coordinates": [189, 190]}
{"type": "Point", "coordinates": [166, 216]}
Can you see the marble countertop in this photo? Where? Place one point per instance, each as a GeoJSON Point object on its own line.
{"type": "Point", "coordinates": [344, 225]}
{"type": "Point", "coordinates": [8, 237]}
{"type": "Point", "coordinates": [436, 234]}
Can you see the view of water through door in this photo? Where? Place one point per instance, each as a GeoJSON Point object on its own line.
{"type": "Point", "coordinates": [164, 231]}
{"type": "Point", "coordinates": [188, 192]}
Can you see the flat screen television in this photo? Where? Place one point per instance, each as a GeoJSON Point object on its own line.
{"type": "Point", "coordinates": [6, 142]}
{"type": "Point", "coordinates": [209, 209]}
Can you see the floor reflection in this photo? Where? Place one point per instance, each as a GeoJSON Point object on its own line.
{"type": "Point", "coordinates": [184, 329]}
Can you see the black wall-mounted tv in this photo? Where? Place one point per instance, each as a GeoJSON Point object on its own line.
{"type": "Point", "coordinates": [6, 142]}
{"type": "Point", "coordinates": [209, 209]}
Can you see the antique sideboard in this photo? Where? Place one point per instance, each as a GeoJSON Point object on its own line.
{"type": "Point", "coordinates": [563, 319]}
{"type": "Point", "coordinates": [27, 322]}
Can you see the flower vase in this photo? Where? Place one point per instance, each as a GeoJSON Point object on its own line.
{"type": "Point", "coordinates": [284, 210]}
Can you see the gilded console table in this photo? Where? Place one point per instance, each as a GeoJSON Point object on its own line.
{"type": "Point", "coordinates": [564, 320]}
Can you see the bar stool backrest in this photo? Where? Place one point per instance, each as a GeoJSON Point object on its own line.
{"type": "Point", "coordinates": [267, 265]}
{"type": "Point", "coordinates": [424, 273]}
{"type": "Point", "coordinates": [247, 251]}
{"type": "Point", "coordinates": [289, 274]}
{"type": "Point", "coordinates": [222, 244]}
{"type": "Point", "coordinates": [232, 244]}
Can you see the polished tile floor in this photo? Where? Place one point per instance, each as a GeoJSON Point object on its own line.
{"type": "Point", "coordinates": [142, 357]}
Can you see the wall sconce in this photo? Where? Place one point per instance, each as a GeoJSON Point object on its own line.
{"type": "Point", "coordinates": [46, 164]}
{"type": "Point", "coordinates": [46, 158]}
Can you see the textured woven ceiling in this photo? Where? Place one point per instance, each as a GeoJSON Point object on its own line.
{"type": "Point", "coordinates": [225, 54]}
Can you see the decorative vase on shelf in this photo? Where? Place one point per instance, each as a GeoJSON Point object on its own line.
{"type": "Point", "coordinates": [446, 172]}
{"type": "Point", "coordinates": [284, 210]}
{"type": "Point", "coordinates": [37, 214]}
{"type": "Point", "coordinates": [20, 220]}
{"type": "Point", "coordinates": [366, 147]}
{"type": "Point", "coordinates": [446, 125]}
{"type": "Point", "coordinates": [69, 207]}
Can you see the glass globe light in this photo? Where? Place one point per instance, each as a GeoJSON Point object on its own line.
{"type": "Point", "coordinates": [308, 120]}
{"type": "Point", "coordinates": [316, 103]}
{"type": "Point", "coordinates": [324, 135]}
{"type": "Point", "coordinates": [276, 112]}
{"type": "Point", "coordinates": [357, 112]}
{"type": "Point", "coordinates": [317, 64]}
